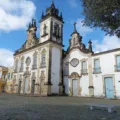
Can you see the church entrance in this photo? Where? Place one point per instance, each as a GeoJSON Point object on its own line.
{"type": "Point", "coordinates": [26, 85]}
{"type": "Point", "coordinates": [33, 87]}
{"type": "Point", "coordinates": [75, 87]}
{"type": "Point", "coordinates": [19, 87]}
{"type": "Point", "coordinates": [74, 84]}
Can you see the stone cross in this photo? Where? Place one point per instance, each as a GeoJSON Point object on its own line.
{"type": "Point", "coordinates": [75, 26]}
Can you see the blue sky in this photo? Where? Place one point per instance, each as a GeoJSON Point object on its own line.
{"type": "Point", "coordinates": [15, 16]}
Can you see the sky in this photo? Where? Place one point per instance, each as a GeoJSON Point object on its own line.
{"type": "Point", "coordinates": [15, 15]}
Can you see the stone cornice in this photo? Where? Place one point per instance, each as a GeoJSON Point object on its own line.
{"type": "Point", "coordinates": [56, 17]}
{"type": "Point", "coordinates": [40, 44]}
{"type": "Point", "coordinates": [105, 52]}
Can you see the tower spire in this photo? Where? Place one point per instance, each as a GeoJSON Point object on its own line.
{"type": "Point", "coordinates": [52, 5]}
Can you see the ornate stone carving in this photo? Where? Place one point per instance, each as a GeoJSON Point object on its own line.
{"type": "Point", "coordinates": [74, 75]}
{"type": "Point", "coordinates": [74, 62]}
{"type": "Point", "coordinates": [20, 78]}
{"type": "Point", "coordinates": [42, 75]}
{"type": "Point", "coordinates": [28, 61]}
{"type": "Point", "coordinates": [33, 76]}
{"type": "Point", "coordinates": [27, 71]}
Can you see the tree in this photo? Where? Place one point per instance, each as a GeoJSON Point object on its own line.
{"type": "Point", "coordinates": [104, 14]}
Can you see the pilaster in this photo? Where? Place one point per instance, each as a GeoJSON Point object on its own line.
{"type": "Point", "coordinates": [61, 75]}
{"type": "Point", "coordinates": [91, 88]}
{"type": "Point", "coordinates": [48, 84]}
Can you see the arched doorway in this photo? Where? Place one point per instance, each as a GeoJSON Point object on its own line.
{"type": "Point", "coordinates": [75, 84]}
{"type": "Point", "coordinates": [33, 87]}
{"type": "Point", "coordinates": [26, 85]}
{"type": "Point", "coordinates": [19, 87]}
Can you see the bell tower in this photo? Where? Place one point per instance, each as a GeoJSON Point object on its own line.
{"type": "Point", "coordinates": [51, 37]}
{"type": "Point", "coordinates": [51, 25]}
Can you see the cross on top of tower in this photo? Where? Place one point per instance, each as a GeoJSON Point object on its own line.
{"type": "Point", "coordinates": [75, 26]}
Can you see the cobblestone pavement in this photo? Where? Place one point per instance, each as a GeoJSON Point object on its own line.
{"type": "Point", "coordinates": [14, 107]}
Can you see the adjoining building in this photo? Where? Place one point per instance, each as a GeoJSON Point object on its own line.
{"type": "Point", "coordinates": [89, 74]}
{"type": "Point", "coordinates": [3, 79]}
{"type": "Point", "coordinates": [43, 67]}
{"type": "Point", "coordinates": [9, 81]}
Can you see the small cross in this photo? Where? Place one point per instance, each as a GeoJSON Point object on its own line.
{"type": "Point", "coordinates": [75, 26]}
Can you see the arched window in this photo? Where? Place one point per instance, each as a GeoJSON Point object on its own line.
{"type": "Point", "coordinates": [8, 75]}
{"type": "Point", "coordinates": [44, 29]}
{"type": "Point", "coordinates": [43, 58]}
{"type": "Point", "coordinates": [66, 68]}
{"type": "Point", "coordinates": [16, 65]}
{"type": "Point", "coordinates": [22, 64]}
{"type": "Point", "coordinates": [56, 30]}
{"type": "Point", "coordinates": [35, 60]}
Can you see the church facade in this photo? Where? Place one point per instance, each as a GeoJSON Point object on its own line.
{"type": "Point", "coordinates": [42, 67]}
{"type": "Point", "coordinates": [38, 63]}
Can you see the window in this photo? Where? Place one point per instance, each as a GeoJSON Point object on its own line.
{"type": "Point", "coordinates": [11, 75]}
{"type": "Point", "coordinates": [45, 29]}
{"type": "Point", "coordinates": [22, 64]}
{"type": "Point", "coordinates": [74, 62]}
{"type": "Point", "coordinates": [43, 59]}
{"type": "Point", "coordinates": [4, 77]}
{"type": "Point", "coordinates": [97, 68]}
{"type": "Point", "coordinates": [118, 63]}
{"type": "Point", "coordinates": [35, 60]}
{"type": "Point", "coordinates": [16, 65]}
{"type": "Point", "coordinates": [66, 68]}
{"type": "Point", "coordinates": [56, 30]}
{"type": "Point", "coordinates": [8, 75]}
{"type": "Point", "coordinates": [84, 67]}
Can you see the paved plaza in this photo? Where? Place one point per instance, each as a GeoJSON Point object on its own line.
{"type": "Point", "coordinates": [15, 107]}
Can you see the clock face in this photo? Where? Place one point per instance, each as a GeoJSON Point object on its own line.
{"type": "Point", "coordinates": [28, 61]}
{"type": "Point", "coordinates": [74, 62]}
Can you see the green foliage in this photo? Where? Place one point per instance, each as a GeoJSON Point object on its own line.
{"type": "Point", "coordinates": [104, 14]}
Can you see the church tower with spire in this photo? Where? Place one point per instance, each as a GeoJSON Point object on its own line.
{"type": "Point", "coordinates": [51, 25]}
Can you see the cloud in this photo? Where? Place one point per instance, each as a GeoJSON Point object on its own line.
{"type": "Point", "coordinates": [15, 14]}
{"type": "Point", "coordinates": [108, 43]}
{"type": "Point", "coordinates": [73, 3]}
{"type": "Point", "coordinates": [83, 30]}
{"type": "Point", "coordinates": [6, 58]}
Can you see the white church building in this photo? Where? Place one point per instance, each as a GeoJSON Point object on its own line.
{"type": "Point", "coordinates": [42, 67]}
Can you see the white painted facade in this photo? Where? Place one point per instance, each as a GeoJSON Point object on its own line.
{"type": "Point", "coordinates": [107, 64]}
{"type": "Point", "coordinates": [75, 72]}
{"type": "Point", "coordinates": [91, 84]}
{"type": "Point", "coordinates": [55, 71]}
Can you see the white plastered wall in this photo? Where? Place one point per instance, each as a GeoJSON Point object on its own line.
{"type": "Point", "coordinates": [84, 79]}
{"type": "Point", "coordinates": [107, 62]}
{"type": "Point", "coordinates": [55, 70]}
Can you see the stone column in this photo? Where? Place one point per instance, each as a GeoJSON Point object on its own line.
{"type": "Point", "coordinates": [91, 88]}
